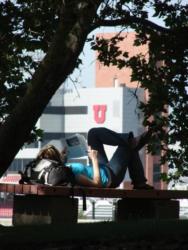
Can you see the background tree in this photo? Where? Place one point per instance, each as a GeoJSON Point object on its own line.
{"type": "Point", "coordinates": [59, 30]}
{"type": "Point", "coordinates": [163, 72]}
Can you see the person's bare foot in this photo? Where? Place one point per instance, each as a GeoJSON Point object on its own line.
{"type": "Point", "coordinates": [140, 141]}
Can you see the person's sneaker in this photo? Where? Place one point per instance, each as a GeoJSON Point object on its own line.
{"type": "Point", "coordinates": [143, 187]}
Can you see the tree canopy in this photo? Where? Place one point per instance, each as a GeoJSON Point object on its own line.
{"type": "Point", "coordinates": [59, 29]}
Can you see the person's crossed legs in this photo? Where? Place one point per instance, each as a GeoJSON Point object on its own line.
{"type": "Point", "coordinates": [125, 156]}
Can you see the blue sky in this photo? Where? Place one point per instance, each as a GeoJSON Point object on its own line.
{"type": "Point", "coordinates": [85, 76]}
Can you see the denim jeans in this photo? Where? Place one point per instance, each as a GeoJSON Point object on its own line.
{"type": "Point", "coordinates": [124, 157]}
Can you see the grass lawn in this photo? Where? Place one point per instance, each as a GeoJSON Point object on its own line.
{"type": "Point", "coordinates": [141, 234]}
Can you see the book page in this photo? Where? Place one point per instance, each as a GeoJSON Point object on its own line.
{"type": "Point", "coordinates": [76, 146]}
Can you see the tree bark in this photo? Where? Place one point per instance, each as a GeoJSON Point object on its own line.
{"type": "Point", "coordinates": [60, 61]}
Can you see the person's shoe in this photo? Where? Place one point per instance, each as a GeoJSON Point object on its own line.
{"type": "Point", "coordinates": [143, 187]}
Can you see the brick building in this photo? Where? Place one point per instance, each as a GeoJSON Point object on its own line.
{"type": "Point", "coordinates": [113, 77]}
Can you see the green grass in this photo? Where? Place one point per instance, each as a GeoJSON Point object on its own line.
{"type": "Point", "coordinates": [106, 231]}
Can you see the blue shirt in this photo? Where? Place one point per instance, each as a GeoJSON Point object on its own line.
{"type": "Point", "coordinates": [87, 170]}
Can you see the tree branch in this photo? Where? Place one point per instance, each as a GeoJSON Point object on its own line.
{"type": "Point", "coordinates": [129, 21]}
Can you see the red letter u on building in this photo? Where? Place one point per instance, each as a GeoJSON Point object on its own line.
{"type": "Point", "coordinates": [99, 113]}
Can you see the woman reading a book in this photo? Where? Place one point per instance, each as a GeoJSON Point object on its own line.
{"type": "Point", "coordinates": [102, 172]}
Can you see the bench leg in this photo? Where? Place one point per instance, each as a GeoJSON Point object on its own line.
{"type": "Point", "coordinates": [143, 208]}
{"type": "Point", "coordinates": [31, 209]}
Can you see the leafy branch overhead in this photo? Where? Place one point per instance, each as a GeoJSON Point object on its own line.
{"type": "Point", "coordinates": [163, 71]}
{"type": "Point", "coordinates": [57, 30]}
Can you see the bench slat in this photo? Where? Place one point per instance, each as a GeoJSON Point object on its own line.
{"type": "Point", "coordinates": [92, 192]}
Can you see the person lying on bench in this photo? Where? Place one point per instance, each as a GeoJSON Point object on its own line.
{"type": "Point", "coordinates": [102, 172]}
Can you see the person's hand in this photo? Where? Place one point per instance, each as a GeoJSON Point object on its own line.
{"type": "Point", "coordinates": [64, 151]}
{"type": "Point", "coordinates": [93, 154]}
{"type": "Point", "coordinates": [64, 154]}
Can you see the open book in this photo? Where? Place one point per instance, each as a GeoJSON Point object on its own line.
{"type": "Point", "coordinates": [76, 146]}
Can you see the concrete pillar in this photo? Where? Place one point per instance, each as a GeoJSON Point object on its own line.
{"type": "Point", "coordinates": [32, 209]}
{"type": "Point", "coordinates": [146, 208]}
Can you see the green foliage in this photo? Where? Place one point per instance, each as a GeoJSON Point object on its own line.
{"type": "Point", "coordinates": [109, 51]}
{"type": "Point", "coordinates": [36, 134]}
{"type": "Point", "coordinates": [163, 72]}
{"type": "Point", "coordinates": [26, 27]}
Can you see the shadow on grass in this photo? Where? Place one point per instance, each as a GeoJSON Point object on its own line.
{"type": "Point", "coordinates": [29, 236]}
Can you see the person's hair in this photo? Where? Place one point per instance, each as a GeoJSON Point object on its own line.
{"type": "Point", "coordinates": [49, 152]}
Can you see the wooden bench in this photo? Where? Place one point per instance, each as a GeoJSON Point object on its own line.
{"type": "Point", "coordinates": [36, 204]}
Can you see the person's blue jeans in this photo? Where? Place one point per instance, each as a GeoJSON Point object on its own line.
{"type": "Point", "coordinates": [124, 157]}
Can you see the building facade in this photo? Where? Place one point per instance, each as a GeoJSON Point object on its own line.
{"type": "Point", "coordinates": [111, 104]}
{"type": "Point", "coordinates": [111, 76]}
{"type": "Point", "coordinates": [71, 112]}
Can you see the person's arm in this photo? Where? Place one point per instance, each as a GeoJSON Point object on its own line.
{"type": "Point", "coordinates": [85, 181]}
{"type": "Point", "coordinates": [93, 155]}
{"type": "Point", "coordinates": [96, 181]}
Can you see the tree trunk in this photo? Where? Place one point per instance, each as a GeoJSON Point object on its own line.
{"type": "Point", "coordinates": [60, 61]}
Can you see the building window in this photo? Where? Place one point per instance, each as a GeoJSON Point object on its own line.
{"type": "Point", "coordinates": [15, 166]}
{"type": "Point", "coordinates": [68, 110]}
{"type": "Point", "coordinates": [156, 173]}
{"type": "Point", "coordinates": [32, 145]}
{"type": "Point", "coordinates": [18, 164]}
{"type": "Point", "coordinates": [157, 148]}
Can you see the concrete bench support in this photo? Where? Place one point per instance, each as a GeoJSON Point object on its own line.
{"type": "Point", "coordinates": [32, 209]}
{"type": "Point", "coordinates": [146, 208]}
{"type": "Point", "coordinates": [41, 204]}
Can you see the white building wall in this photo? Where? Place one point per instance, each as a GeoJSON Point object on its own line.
{"type": "Point", "coordinates": [120, 114]}
{"type": "Point", "coordinates": [111, 97]}
{"type": "Point", "coordinates": [132, 117]}
{"type": "Point", "coordinates": [51, 123]}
